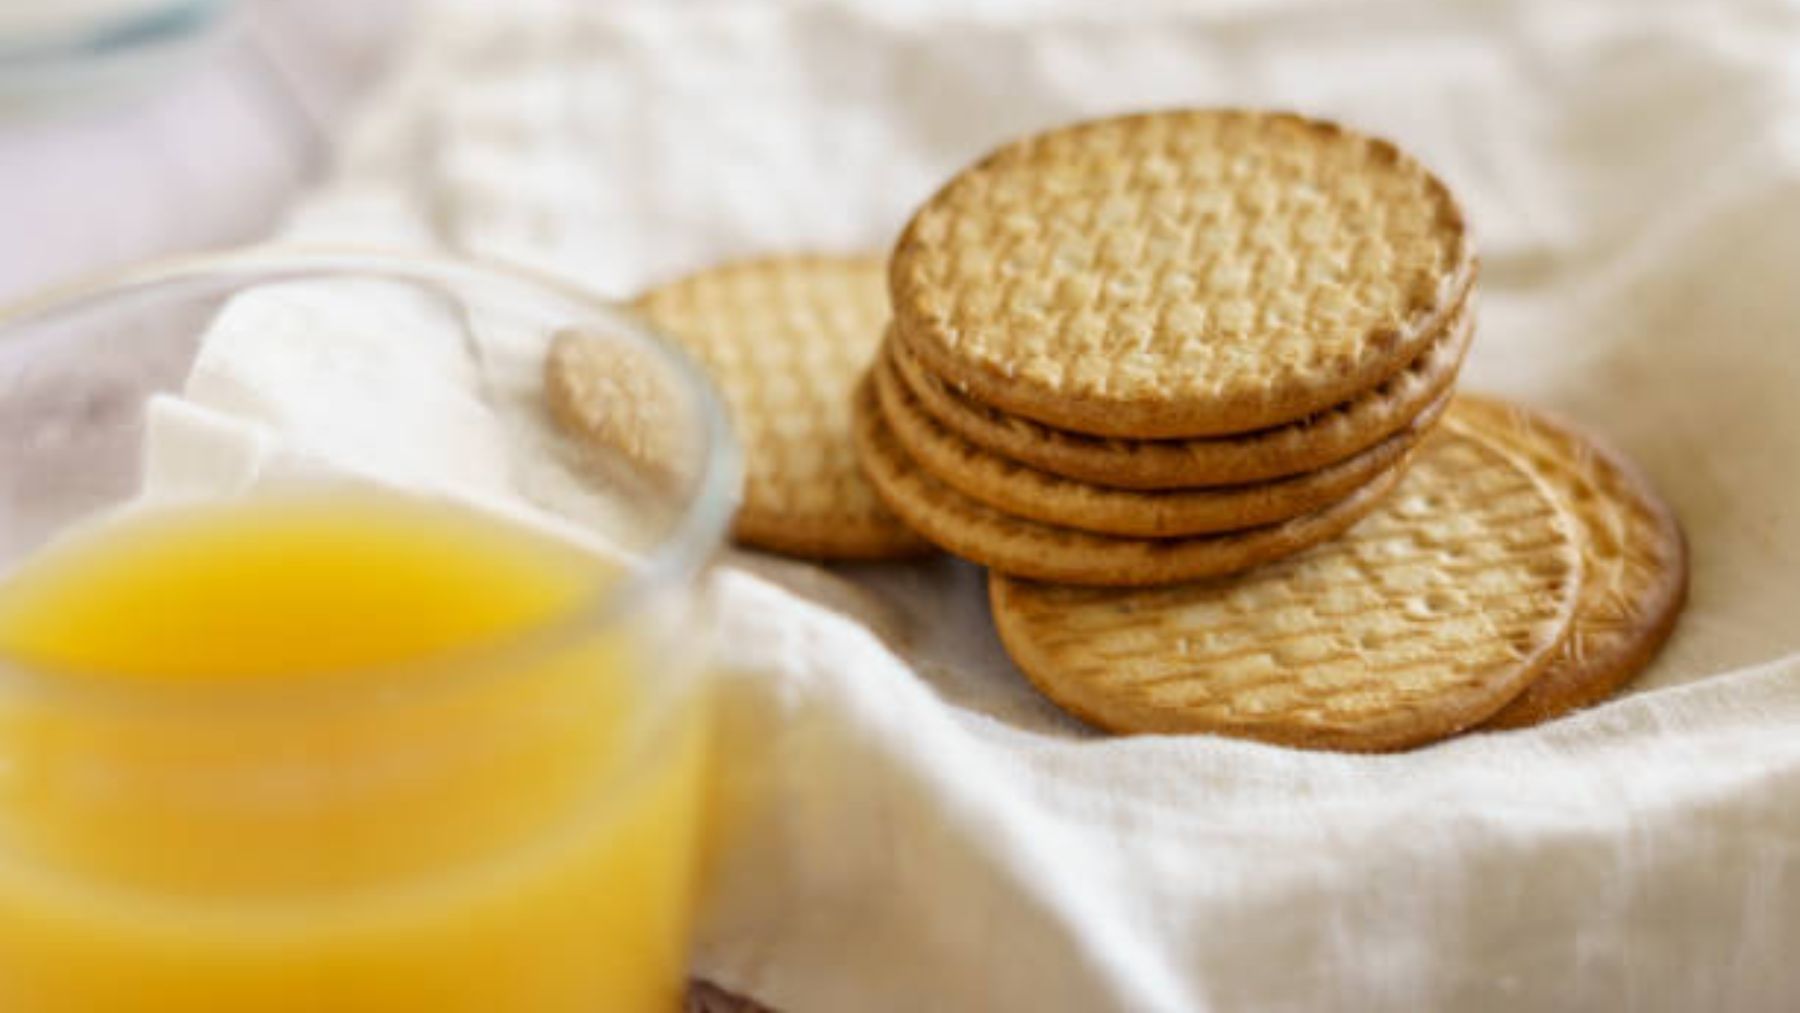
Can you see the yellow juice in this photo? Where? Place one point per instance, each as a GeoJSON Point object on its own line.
{"type": "Point", "coordinates": [296, 755]}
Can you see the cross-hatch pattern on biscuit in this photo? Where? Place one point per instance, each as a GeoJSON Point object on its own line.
{"type": "Point", "coordinates": [1631, 552]}
{"type": "Point", "coordinates": [1433, 607]}
{"type": "Point", "coordinates": [1205, 255]}
{"type": "Point", "coordinates": [786, 340]}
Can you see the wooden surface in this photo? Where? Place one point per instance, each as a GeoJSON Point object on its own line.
{"type": "Point", "coordinates": [705, 997]}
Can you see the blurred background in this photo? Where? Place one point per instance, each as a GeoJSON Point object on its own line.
{"type": "Point", "coordinates": [131, 128]}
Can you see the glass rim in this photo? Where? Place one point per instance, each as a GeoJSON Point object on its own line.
{"type": "Point", "coordinates": [677, 556]}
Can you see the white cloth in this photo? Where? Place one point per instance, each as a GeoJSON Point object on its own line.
{"type": "Point", "coordinates": [911, 826]}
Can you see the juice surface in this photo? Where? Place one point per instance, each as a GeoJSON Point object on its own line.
{"type": "Point", "coordinates": [276, 588]}
{"type": "Point", "coordinates": [460, 835]}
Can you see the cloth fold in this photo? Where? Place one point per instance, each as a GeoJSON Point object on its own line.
{"type": "Point", "coordinates": [910, 825]}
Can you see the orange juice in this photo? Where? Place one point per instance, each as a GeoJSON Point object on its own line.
{"type": "Point", "coordinates": [304, 755]}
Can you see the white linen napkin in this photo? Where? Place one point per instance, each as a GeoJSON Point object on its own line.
{"type": "Point", "coordinates": [912, 827]}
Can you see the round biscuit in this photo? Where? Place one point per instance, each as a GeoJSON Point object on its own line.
{"type": "Point", "coordinates": [1422, 621]}
{"type": "Point", "coordinates": [1635, 565]}
{"type": "Point", "coordinates": [977, 532]}
{"type": "Point", "coordinates": [1028, 493]}
{"type": "Point", "coordinates": [1181, 273]}
{"type": "Point", "coordinates": [785, 338]}
{"type": "Point", "coordinates": [1311, 443]}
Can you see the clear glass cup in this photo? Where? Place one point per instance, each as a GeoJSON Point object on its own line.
{"type": "Point", "coordinates": [510, 824]}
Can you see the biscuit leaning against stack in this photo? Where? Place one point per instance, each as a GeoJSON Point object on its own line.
{"type": "Point", "coordinates": [785, 339]}
{"type": "Point", "coordinates": [1165, 347]}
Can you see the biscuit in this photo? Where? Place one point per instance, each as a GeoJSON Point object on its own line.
{"type": "Point", "coordinates": [1183, 273]}
{"type": "Point", "coordinates": [1308, 444]}
{"type": "Point", "coordinates": [1426, 619]}
{"type": "Point", "coordinates": [977, 532]}
{"type": "Point", "coordinates": [619, 401]}
{"type": "Point", "coordinates": [1031, 494]}
{"type": "Point", "coordinates": [1635, 566]}
{"type": "Point", "coordinates": [785, 338]}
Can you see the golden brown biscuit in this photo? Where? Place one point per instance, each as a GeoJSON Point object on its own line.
{"type": "Point", "coordinates": [1027, 493]}
{"type": "Point", "coordinates": [1311, 443]}
{"type": "Point", "coordinates": [1178, 274]}
{"type": "Point", "coordinates": [785, 338]}
{"type": "Point", "coordinates": [977, 532]}
{"type": "Point", "coordinates": [1426, 619]}
{"type": "Point", "coordinates": [1635, 568]}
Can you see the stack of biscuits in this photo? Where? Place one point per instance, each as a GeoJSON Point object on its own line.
{"type": "Point", "coordinates": [1183, 383]}
{"type": "Point", "coordinates": [1165, 347]}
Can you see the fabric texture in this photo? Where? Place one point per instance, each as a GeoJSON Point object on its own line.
{"type": "Point", "coordinates": [910, 825]}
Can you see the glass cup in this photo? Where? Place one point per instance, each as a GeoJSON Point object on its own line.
{"type": "Point", "coordinates": [55, 55]}
{"type": "Point", "coordinates": [508, 822]}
